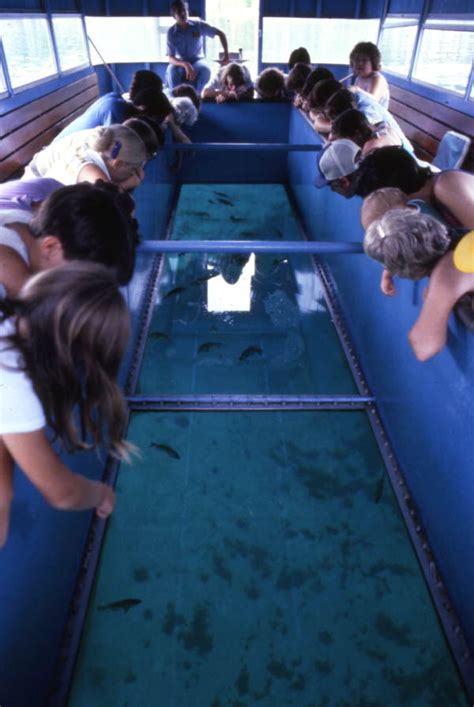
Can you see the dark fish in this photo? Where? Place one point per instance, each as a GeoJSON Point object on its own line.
{"type": "Point", "coordinates": [121, 605]}
{"type": "Point", "coordinates": [248, 234]}
{"type": "Point", "coordinates": [279, 234]}
{"type": "Point", "coordinates": [237, 219]}
{"type": "Point", "coordinates": [205, 278]}
{"type": "Point", "coordinates": [223, 200]}
{"type": "Point", "coordinates": [172, 453]}
{"type": "Point", "coordinates": [208, 346]}
{"type": "Point", "coordinates": [378, 491]}
{"type": "Point", "coordinates": [211, 201]}
{"type": "Point", "coordinates": [201, 214]}
{"type": "Point", "coordinates": [159, 336]}
{"type": "Point", "coordinates": [250, 351]}
{"type": "Point", "coordinates": [221, 193]}
{"type": "Point", "coordinates": [173, 292]}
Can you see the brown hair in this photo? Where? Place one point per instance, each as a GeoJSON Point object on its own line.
{"type": "Point", "coordinates": [369, 50]}
{"type": "Point", "coordinates": [77, 328]}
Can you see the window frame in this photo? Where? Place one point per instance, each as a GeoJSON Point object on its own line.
{"type": "Point", "coordinates": [427, 21]}
{"type": "Point", "coordinates": [78, 67]}
{"type": "Point", "coordinates": [13, 91]}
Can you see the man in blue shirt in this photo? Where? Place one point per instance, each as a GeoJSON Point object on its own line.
{"type": "Point", "coordinates": [185, 49]}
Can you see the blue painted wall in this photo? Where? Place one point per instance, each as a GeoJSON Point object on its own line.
{"type": "Point", "coordinates": [427, 407]}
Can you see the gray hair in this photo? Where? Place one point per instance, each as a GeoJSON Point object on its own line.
{"type": "Point", "coordinates": [407, 243]}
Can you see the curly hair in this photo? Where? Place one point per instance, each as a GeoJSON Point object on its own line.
{"type": "Point", "coordinates": [407, 243]}
{"type": "Point", "coordinates": [369, 50]}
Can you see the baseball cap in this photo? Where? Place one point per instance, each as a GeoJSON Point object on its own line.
{"type": "Point", "coordinates": [464, 253]}
{"type": "Point", "coordinates": [338, 159]}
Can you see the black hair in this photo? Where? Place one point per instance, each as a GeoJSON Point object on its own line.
{"type": "Point", "coordinates": [144, 78]}
{"type": "Point", "coordinates": [369, 50]}
{"type": "Point", "coordinates": [149, 131]}
{"type": "Point", "coordinates": [299, 56]}
{"type": "Point", "coordinates": [93, 222]}
{"type": "Point", "coordinates": [321, 92]}
{"type": "Point", "coordinates": [178, 5]}
{"type": "Point", "coordinates": [188, 91]}
{"type": "Point", "coordinates": [316, 75]}
{"type": "Point", "coordinates": [270, 85]}
{"type": "Point", "coordinates": [352, 124]}
{"type": "Point", "coordinates": [153, 104]}
{"type": "Point", "coordinates": [297, 77]}
{"type": "Point", "coordinates": [339, 102]}
{"type": "Point", "coordinates": [390, 166]}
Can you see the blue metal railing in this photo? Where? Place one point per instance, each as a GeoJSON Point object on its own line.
{"type": "Point", "coordinates": [271, 246]}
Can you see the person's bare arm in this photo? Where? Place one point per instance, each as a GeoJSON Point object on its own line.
{"type": "Point", "coordinates": [225, 46]}
{"type": "Point", "coordinates": [320, 123]}
{"type": "Point", "coordinates": [378, 87]}
{"type": "Point", "coordinates": [6, 491]}
{"type": "Point", "coordinates": [456, 191]}
{"type": "Point", "coordinates": [447, 284]}
{"type": "Point", "coordinates": [188, 68]}
{"type": "Point", "coordinates": [61, 488]}
{"type": "Point", "coordinates": [13, 270]}
{"type": "Point", "coordinates": [91, 173]}
{"type": "Point", "coordinates": [387, 284]}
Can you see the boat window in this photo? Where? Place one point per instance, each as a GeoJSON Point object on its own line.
{"type": "Point", "coordinates": [128, 39]}
{"type": "Point", "coordinates": [3, 83]}
{"type": "Point", "coordinates": [28, 49]}
{"type": "Point", "coordinates": [239, 21]}
{"type": "Point", "coordinates": [70, 42]}
{"type": "Point", "coordinates": [328, 41]}
{"type": "Point", "coordinates": [397, 43]}
{"type": "Point", "coordinates": [445, 54]}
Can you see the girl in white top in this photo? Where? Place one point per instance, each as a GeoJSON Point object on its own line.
{"type": "Point", "coordinates": [61, 343]}
{"type": "Point", "coordinates": [365, 61]}
{"type": "Point", "coordinates": [114, 154]}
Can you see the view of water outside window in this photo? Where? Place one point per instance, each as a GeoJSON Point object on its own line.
{"type": "Point", "coordinates": [329, 41]}
{"type": "Point", "coordinates": [128, 39]}
{"type": "Point", "coordinates": [396, 46]}
{"type": "Point", "coordinates": [239, 20]}
{"type": "Point", "coordinates": [445, 59]}
{"type": "Point", "coordinates": [70, 42]}
{"type": "Point", "coordinates": [28, 49]}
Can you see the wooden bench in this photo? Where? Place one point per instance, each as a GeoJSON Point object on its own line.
{"type": "Point", "coordinates": [424, 122]}
{"type": "Point", "coordinates": [25, 130]}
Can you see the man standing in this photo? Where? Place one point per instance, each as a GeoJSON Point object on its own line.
{"type": "Point", "coordinates": [185, 49]}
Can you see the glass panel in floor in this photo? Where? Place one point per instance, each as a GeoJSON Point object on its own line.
{"type": "Point", "coordinates": [240, 323]}
{"type": "Point", "coordinates": [259, 558]}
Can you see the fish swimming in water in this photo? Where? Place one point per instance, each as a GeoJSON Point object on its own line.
{"type": "Point", "coordinates": [221, 193]}
{"type": "Point", "coordinates": [248, 234]}
{"type": "Point", "coordinates": [249, 352]}
{"type": "Point", "coordinates": [224, 200]}
{"type": "Point", "coordinates": [378, 492]}
{"type": "Point", "coordinates": [159, 336]}
{"type": "Point", "coordinates": [237, 219]}
{"type": "Point", "coordinates": [172, 453]}
{"type": "Point", "coordinates": [175, 291]}
{"type": "Point", "coordinates": [209, 345]}
{"type": "Point", "coordinates": [121, 605]}
{"type": "Point", "coordinates": [205, 278]}
{"type": "Point", "coordinates": [200, 214]}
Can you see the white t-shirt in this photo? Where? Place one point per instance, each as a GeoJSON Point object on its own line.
{"type": "Point", "coordinates": [64, 159]}
{"type": "Point", "coordinates": [20, 407]}
{"type": "Point", "coordinates": [10, 238]}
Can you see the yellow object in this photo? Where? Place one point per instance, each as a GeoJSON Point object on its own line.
{"type": "Point", "coordinates": [464, 253]}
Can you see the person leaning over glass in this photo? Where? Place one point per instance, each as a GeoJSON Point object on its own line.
{"type": "Point", "coordinates": [185, 49]}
